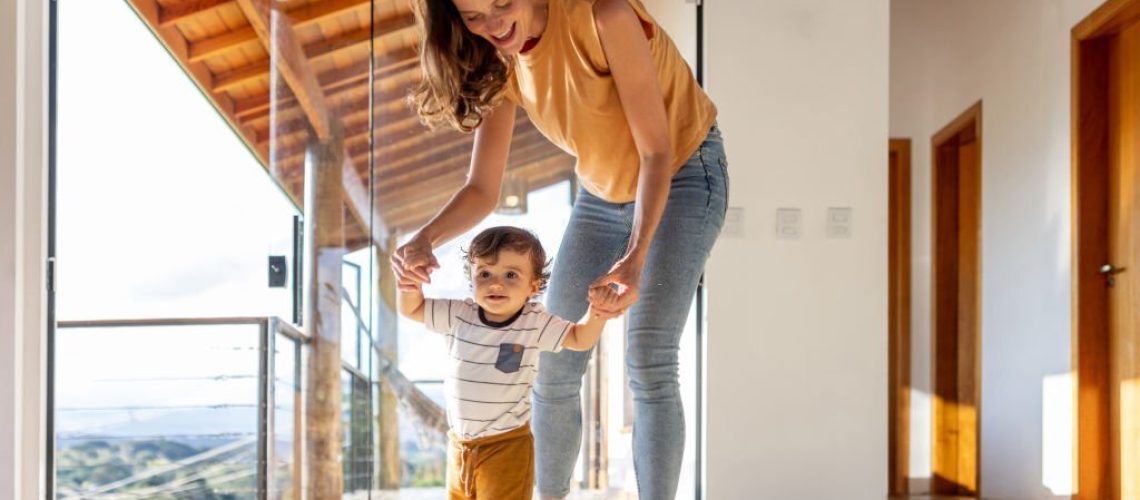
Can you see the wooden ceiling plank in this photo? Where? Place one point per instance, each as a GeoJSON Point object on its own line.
{"type": "Point", "coordinates": [213, 46]}
{"type": "Point", "coordinates": [241, 76]}
{"type": "Point", "coordinates": [302, 17]}
{"type": "Point", "coordinates": [335, 82]}
{"type": "Point", "coordinates": [188, 9]}
{"type": "Point", "coordinates": [531, 149]}
{"type": "Point", "coordinates": [400, 215]}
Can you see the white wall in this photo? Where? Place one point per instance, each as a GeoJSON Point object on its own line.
{"type": "Point", "coordinates": [22, 246]}
{"type": "Point", "coordinates": [797, 330]}
{"type": "Point", "coordinates": [1014, 55]}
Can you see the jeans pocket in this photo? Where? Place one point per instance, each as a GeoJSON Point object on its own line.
{"type": "Point", "coordinates": [510, 358]}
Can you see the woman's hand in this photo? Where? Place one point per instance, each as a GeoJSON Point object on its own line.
{"type": "Point", "coordinates": [413, 263]}
{"type": "Point", "coordinates": [623, 280]}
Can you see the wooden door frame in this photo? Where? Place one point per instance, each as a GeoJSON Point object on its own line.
{"type": "Point", "coordinates": [968, 120]}
{"type": "Point", "coordinates": [898, 393]}
{"type": "Point", "coordinates": [1090, 177]}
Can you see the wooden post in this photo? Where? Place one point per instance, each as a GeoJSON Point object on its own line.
{"type": "Point", "coordinates": [324, 237]}
{"type": "Point", "coordinates": [387, 420]}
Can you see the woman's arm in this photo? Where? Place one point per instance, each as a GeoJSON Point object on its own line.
{"type": "Point", "coordinates": [473, 202]}
{"type": "Point", "coordinates": [631, 64]}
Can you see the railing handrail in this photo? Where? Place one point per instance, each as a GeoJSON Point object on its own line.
{"type": "Point", "coordinates": [276, 323]}
{"type": "Point", "coordinates": [288, 329]}
{"type": "Point", "coordinates": [116, 323]}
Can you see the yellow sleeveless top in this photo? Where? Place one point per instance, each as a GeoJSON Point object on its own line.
{"type": "Point", "coordinates": [565, 86]}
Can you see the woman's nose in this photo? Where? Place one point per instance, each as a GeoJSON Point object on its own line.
{"type": "Point", "coordinates": [495, 24]}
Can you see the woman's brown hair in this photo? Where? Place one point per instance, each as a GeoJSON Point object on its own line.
{"type": "Point", "coordinates": [463, 74]}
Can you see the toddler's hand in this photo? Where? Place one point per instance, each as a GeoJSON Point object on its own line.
{"type": "Point", "coordinates": [602, 300]}
{"type": "Point", "coordinates": [406, 284]}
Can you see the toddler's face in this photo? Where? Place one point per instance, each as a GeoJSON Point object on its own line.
{"type": "Point", "coordinates": [504, 284]}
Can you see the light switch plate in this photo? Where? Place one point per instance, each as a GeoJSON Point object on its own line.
{"type": "Point", "coordinates": [789, 223]}
{"type": "Point", "coordinates": [839, 223]}
{"type": "Point", "coordinates": [733, 223]}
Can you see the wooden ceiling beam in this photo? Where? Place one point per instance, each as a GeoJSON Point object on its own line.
{"type": "Point", "coordinates": [529, 151]}
{"type": "Point", "coordinates": [416, 220]}
{"type": "Point", "coordinates": [401, 138]}
{"type": "Point", "coordinates": [228, 80]}
{"type": "Point", "coordinates": [169, 16]}
{"type": "Point", "coordinates": [356, 130]}
{"type": "Point", "coordinates": [302, 17]}
{"type": "Point", "coordinates": [458, 150]}
{"type": "Point", "coordinates": [343, 97]}
{"type": "Point", "coordinates": [313, 52]}
{"type": "Point", "coordinates": [361, 206]}
{"type": "Point", "coordinates": [411, 220]}
{"type": "Point", "coordinates": [337, 82]}
{"type": "Point", "coordinates": [220, 44]}
{"type": "Point", "coordinates": [289, 144]}
{"type": "Point", "coordinates": [399, 214]}
{"type": "Point", "coordinates": [292, 65]}
{"type": "Point", "coordinates": [402, 144]}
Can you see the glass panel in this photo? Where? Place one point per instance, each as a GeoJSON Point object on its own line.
{"type": "Point", "coordinates": [286, 419]}
{"type": "Point", "coordinates": [162, 212]}
{"type": "Point", "coordinates": [314, 127]}
{"type": "Point", "coordinates": [177, 416]}
{"type": "Point", "coordinates": [166, 208]}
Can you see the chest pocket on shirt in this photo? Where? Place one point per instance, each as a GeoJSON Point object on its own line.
{"type": "Point", "coordinates": [510, 357]}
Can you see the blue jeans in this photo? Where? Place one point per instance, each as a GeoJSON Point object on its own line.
{"type": "Point", "coordinates": [595, 238]}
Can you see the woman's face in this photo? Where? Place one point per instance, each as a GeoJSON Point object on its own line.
{"type": "Point", "coordinates": [507, 24]}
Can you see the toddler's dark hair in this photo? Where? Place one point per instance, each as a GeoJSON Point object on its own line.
{"type": "Point", "coordinates": [491, 241]}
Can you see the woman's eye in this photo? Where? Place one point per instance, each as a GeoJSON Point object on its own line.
{"type": "Point", "coordinates": [472, 19]}
{"type": "Point", "coordinates": [503, 6]}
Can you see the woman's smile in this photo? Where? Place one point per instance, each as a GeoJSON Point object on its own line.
{"type": "Point", "coordinates": [505, 38]}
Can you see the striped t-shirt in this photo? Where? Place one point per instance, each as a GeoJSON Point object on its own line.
{"type": "Point", "coordinates": [493, 365]}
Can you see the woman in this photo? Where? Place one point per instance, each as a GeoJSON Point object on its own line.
{"type": "Point", "coordinates": [600, 79]}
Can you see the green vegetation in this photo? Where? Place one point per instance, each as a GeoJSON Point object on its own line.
{"type": "Point", "coordinates": [87, 469]}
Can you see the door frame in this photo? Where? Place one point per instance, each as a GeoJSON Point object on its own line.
{"type": "Point", "coordinates": [1092, 432]}
{"type": "Point", "coordinates": [969, 120]}
{"type": "Point", "coordinates": [898, 392]}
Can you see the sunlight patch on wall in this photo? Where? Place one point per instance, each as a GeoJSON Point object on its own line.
{"type": "Point", "coordinates": [919, 433]}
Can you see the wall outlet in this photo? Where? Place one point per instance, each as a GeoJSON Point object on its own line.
{"type": "Point", "coordinates": [839, 223]}
{"type": "Point", "coordinates": [789, 223]}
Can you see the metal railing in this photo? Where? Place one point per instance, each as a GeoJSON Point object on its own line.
{"type": "Point", "coordinates": [186, 472]}
{"type": "Point", "coordinates": [143, 483]}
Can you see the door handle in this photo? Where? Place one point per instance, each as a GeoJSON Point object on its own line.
{"type": "Point", "coordinates": [1110, 271]}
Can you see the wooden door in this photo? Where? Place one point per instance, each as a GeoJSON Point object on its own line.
{"type": "Point", "coordinates": [1106, 256]}
{"type": "Point", "coordinates": [1123, 248]}
{"type": "Point", "coordinates": [956, 305]}
{"type": "Point", "coordinates": [899, 316]}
